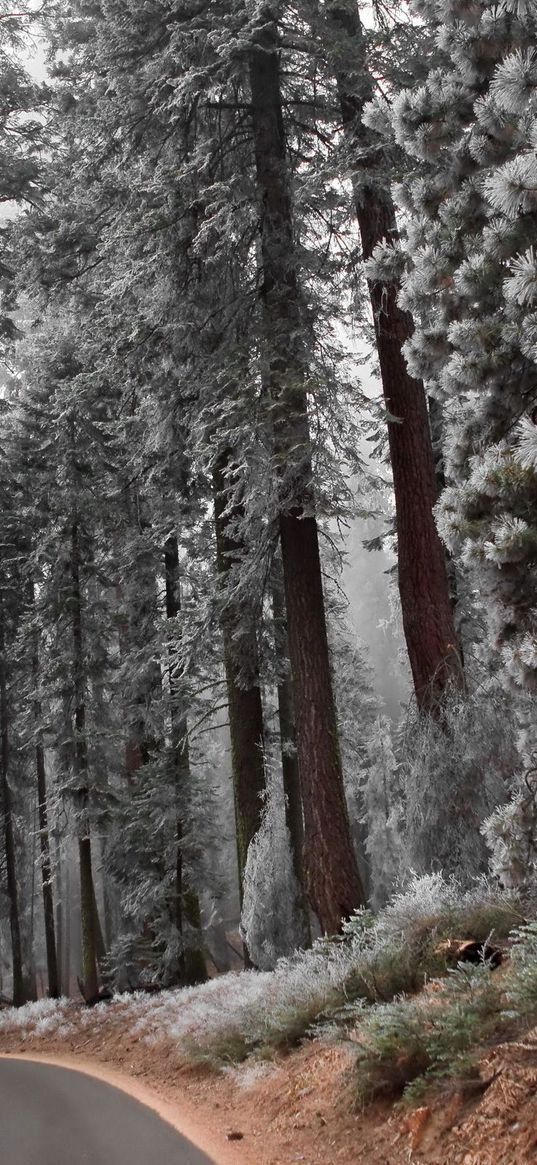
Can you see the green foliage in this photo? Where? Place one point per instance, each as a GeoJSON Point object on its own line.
{"type": "Point", "coordinates": [435, 1035]}
{"type": "Point", "coordinates": [522, 988]}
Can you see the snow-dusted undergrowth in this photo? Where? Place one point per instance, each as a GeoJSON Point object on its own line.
{"type": "Point", "coordinates": [228, 1017]}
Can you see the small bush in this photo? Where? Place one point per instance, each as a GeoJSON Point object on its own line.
{"type": "Point", "coordinates": [522, 987]}
{"type": "Point", "coordinates": [429, 1037]}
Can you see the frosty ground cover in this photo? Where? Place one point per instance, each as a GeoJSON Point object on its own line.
{"type": "Point", "coordinates": [225, 1019]}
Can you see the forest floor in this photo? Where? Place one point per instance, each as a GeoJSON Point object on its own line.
{"type": "Point", "coordinates": [299, 1106]}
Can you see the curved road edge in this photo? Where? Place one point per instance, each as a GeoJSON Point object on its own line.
{"type": "Point", "coordinates": [172, 1113]}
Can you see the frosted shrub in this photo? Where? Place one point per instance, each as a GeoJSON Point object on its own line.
{"type": "Point", "coordinates": [271, 923]}
{"type": "Point", "coordinates": [511, 835]}
{"type": "Point", "coordinates": [383, 808]}
{"type": "Point", "coordinates": [432, 905]}
{"type": "Point", "coordinates": [424, 897]}
{"type": "Point", "coordinates": [40, 1017]}
{"type": "Point", "coordinates": [456, 774]}
{"type": "Point", "coordinates": [375, 959]}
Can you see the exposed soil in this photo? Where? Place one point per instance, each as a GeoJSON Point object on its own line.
{"type": "Point", "coordinates": [300, 1107]}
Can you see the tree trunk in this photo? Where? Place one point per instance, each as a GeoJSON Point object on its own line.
{"type": "Point", "coordinates": [332, 877]}
{"type": "Point", "coordinates": [19, 993]}
{"type": "Point", "coordinates": [186, 903]}
{"type": "Point", "coordinates": [54, 989]}
{"type": "Point", "coordinates": [92, 943]}
{"type": "Point", "coordinates": [243, 690]}
{"type": "Point", "coordinates": [59, 916]}
{"type": "Point", "coordinates": [66, 960]}
{"type": "Point", "coordinates": [46, 876]}
{"type": "Point", "coordinates": [423, 581]}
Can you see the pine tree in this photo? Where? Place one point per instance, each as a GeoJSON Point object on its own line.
{"type": "Point", "coordinates": [332, 876]}
{"type": "Point", "coordinates": [467, 131]}
{"type": "Point", "coordinates": [422, 573]}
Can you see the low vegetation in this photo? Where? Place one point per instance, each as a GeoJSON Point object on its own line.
{"type": "Point", "coordinates": [390, 985]}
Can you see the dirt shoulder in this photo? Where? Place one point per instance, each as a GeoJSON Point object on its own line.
{"type": "Point", "coordinates": [300, 1107]}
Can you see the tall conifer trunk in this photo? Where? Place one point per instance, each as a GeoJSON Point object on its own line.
{"type": "Point", "coordinates": [186, 902]}
{"type": "Point", "coordinates": [423, 580]}
{"type": "Point", "coordinates": [92, 942]}
{"type": "Point", "coordinates": [59, 915]}
{"type": "Point", "coordinates": [54, 990]}
{"type": "Point", "coordinates": [19, 993]}
{"type": "Point", "coordinates": [245, 706]}
{"type": "Point", "coordinates": [333, 881]}
{"type": "Point", "coordinates": [46, 868]}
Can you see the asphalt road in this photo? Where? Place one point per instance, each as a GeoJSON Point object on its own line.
{"type": "Point", "coordinates": [52, 1116]}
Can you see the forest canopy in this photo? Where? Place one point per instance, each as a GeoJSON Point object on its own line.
{"type": "Point", "coordinates": [269, 292]}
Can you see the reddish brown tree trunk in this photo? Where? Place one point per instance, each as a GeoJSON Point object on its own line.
{"type": "Point", "coordinates": [423, 579]}
{"type": "Point", "coordinates": [332, 877]}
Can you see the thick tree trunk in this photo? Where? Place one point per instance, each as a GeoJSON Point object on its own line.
{"type": "Point", "coordinates": [242, 677]}
{"type": "Point", "coordinates": [333, 881]}
{"type": "Point", "coordinates": [92, 943]}
{"type": "Point", "coordinates": [19, 993]}
{"type": "Point", "coordinates": [186, 904]}
{"type": "Point", "coordinates": [423, 581]}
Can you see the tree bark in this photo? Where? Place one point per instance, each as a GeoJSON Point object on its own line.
{"type": "Point", "coordinates": [186, 904]}
{"type": "Point", "coordinates": [59, 913]}
{"type": "Point", "coordinates": [66, 959]}
{"type": "Point", "coordinates": [428, 623]}
{"type": "Point", "coordinates": [92, 943]}
{"type": "Point", "coordinates": [242, 676]}
{"type": "Point", "coordinates": [54, 989]}
{"type": "Point", "coordinates": [19, 992]}
{"type": "Point", "coordinates": [332, 877]}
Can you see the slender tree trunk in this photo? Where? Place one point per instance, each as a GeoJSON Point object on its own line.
{"type": "Point", "coordinates": [109, 896]}
{"type": "Point", "coordinates": [243, 690]}
{"type": "Point", "coordinates": [54, 989]}
{"type": "Point", "coordinates": [59, 916]}
{"type": "Point", "coordinates": [423, 581]}
{"type": "Point", "coordinates": [109, 891]}
{"type": "Point", "coordinates": [19, 993]}
{"type": "Point", "coordinates": [92, 943]}
{"type": "Point", "coordinates": [186, 903]}
{"type": "Point", "coordinates": [333, 881]}
{"type": "Point", "coordinates": [66, 961]}
{"type": "Point", "coordinates": [46, 876]}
